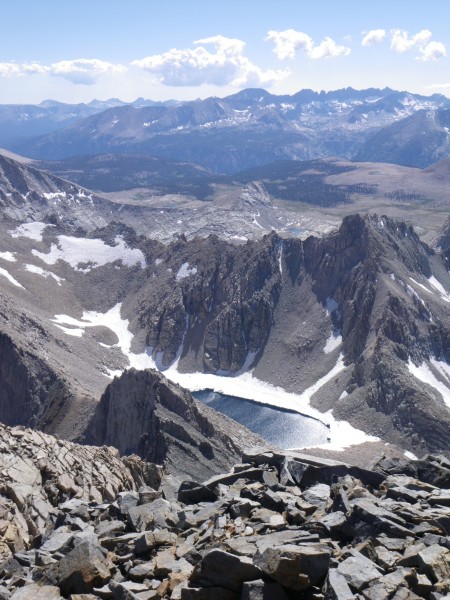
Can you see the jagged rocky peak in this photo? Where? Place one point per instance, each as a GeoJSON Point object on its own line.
{"type": "Point", "coordinates": [224, 297]}
{"type": "Point", "coordinates": [143, 413]}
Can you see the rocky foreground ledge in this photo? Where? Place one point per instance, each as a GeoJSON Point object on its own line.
{"type": "Point", "coordinates": [81, 523]}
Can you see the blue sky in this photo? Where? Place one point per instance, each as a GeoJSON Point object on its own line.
{"type": "Point", "coordinates": [78, 50]}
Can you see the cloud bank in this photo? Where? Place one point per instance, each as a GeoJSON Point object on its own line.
{"type": "Point", "coordinates": [85, 71]}
{"type": "Point", "coordinates": [289, 41]}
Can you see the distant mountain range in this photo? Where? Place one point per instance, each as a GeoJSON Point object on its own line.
{"type": "Point", "coordinates": [245, 130]}
{"type": "Point", "coordinates": [26, 121]}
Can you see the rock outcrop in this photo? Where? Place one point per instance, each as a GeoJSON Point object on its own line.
{"type": "Point", "coordinates": [40, 472]}
{"type": "Point", "coordinates": [280, 526]}
{"type": "Point", "coordinates": [143, 413]}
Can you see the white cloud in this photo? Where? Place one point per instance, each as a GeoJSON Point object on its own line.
{"type": "Point", "coordinates": [19, 70]}
{"type": "Point", "coordinates": [401, 40]}
{"type": "Point", "coordinates": [428, 50]}
{"type": "Point", "coordinates": [224, 64]}
{"type": "Point", "coordinates": [432, 51]}
{"type": "Point", "coordinates": [82, 71]}
{"type": "Point", "coordinates": [287, 43]}
{"type": "Point", "coordinates": [374, 36]}
{"type": "Point", "coordinates": [9, 69]}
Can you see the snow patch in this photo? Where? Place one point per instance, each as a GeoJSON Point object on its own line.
{"type": "Point", "coordinates": [43, 273]}
{"type": "Point", "coordinates": [33, 231]}
{"type": "Point", "coordinates": [9, 256]}
{"type": "Point", "coordinates": [333, 342]}
{"type": "Point", "coordinates": [112, 319]}
{"type": "Point", "coordinates": [424, 374]}
{"type": "Point", "coordinates": [245, 367]}
{"type": "Point", "coordinates": [90, 252]}
{"type": "Point", "coordinates": [335, 339]}
{"type": "Point", "coordinates": [421, 285]}
{"type": "Point", "coordinates": [332, 305]}
{"type": "Point", "coordinates": [10, 278]}
{"type": "Point", "coordinates": [440, 288]}
{"type": "Point", "coordinates": [185, 271]}
{"type": "Point", "coordinates": [55, 195]}
{"type": "Point", "coordinates": [410, 455]}
{"type": "Point", "coordinates": [280, 258]}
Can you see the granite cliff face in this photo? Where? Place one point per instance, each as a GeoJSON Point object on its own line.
{"type": "Point", "coordinates": [225, 306]}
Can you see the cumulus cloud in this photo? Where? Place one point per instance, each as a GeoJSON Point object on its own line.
{"type": "Point", "coordinates": [223, 63]}
{"type": "Point", "coordinates": [84, 71]}
{"type": "Point", "coordinates": [432, 51]}
{"type": "Point", "coordinates": [401, 41]}
{"type": "Point", "coordinates": [289, 41]}
{"type": "Point", "coordinates": [374, 36]}
{"type": "Point", "coordinates": [428, 50]}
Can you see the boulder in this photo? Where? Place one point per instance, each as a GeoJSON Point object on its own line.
{"type": "Point", "coordinates": [84, 568]}
{"type": "Point", "coordinates": [295, 567]}
{"type": "Point", "coordinates": [222, 569]}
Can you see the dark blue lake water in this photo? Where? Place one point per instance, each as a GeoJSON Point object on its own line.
{"type": "Point", "coordinates": [283, 428]}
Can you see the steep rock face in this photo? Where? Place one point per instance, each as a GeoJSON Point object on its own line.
{"type": "Point", "coordinates": [443, 242]}
{"type": "Point", "coordinates": [142, 412]}
{"type": "Point", "coordinates": [29, 389]}
{"type": "Point", "coordinates": [222, 304]}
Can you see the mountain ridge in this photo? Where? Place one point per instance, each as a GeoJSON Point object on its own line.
{"type": "Point", "coordinates": [307, 125]}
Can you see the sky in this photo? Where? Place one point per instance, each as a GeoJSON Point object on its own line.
{"type": "Point", "coordinates": [79, 50]}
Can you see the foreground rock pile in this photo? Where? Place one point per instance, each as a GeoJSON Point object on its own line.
{"type": "Point", "coordinates": [278, 526]}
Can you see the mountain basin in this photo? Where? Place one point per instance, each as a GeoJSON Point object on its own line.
{"type": "Point", "coordinates": [280, 427]}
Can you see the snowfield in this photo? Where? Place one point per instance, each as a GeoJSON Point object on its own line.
{"type": "Point", "coordinates": [86, 254]}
